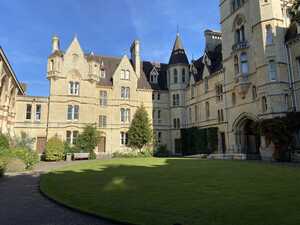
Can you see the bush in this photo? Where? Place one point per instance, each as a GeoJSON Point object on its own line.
{"type": "Point", "coordinates": [15, 165]}
{"type": "Point", "coordinates": [4, 142]}
{"type": "Point", "coordinates": [68, 149]}
{"type": "Point", "coordinates": [29, 157]}
{"type": "Point", "coordinates": [133, 154]}
{"type": "Point", "coordinates": [162, 151]}
{"type": "Point", "coordinates": [54, 149]}
{"type": "Point", "coordinates": [3, 164]}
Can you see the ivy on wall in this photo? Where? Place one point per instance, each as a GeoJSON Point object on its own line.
{"type": "Point", "coordinates": [199, 141]}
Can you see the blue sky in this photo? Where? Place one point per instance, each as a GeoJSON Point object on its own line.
{"type": "Point", "coordinates": [103, 26]}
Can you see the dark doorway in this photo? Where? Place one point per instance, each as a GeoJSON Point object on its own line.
{"type": "Point", "coordinates": [178, 147]}
{"type": "Point", "coordinates": [223, 142]}
{"type": "Point", "coordinates": [41, 144]}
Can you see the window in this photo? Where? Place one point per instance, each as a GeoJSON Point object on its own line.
{"type": "Point", "coordinates": [219, 92]}
{"type": "Point", "coordinates": [220, 115]}
{"type": "Point", "coordinates": [125, 92]}
{"type": "Point", "coordinates": [125, 74]}
{"type": "Point", "coordinates": [102, 73]}
{"type": "Point", "coordinates": [73, 88]}
{"type": "Point", "coordinates": [103, 98]}
{"type": "Point", "coordinates": [176, 100]}
{"type": "Point", "coordinates": [38, 112]}
{"type": "Point", "coordinates": [236, 65]}
{"type": "Point", "coordinates": [125, 115]}
{"type": "Point", "coordinates": [272, 70]}
{"type": "Point", "coordinates": [244, 63]}
{"type": "Point", "coordinates": [28, 111]}
{"type": "Point", "coordinates": [71, 137]}
{"type": "Point", "coordinates": [190, 115]}
{"type": "Point", "coordinates": [269, 35]}
{"type": "Point", "coordinates": [196, 112]}
{"type": "Point", "coordinates": [102, 121]}
{"type": "Point", "coordinates": [73, 112]}
{"type": "Point", "coordinates": [176, 123]}
{"type": "Point", "coordinates": [175, 76]}
{"type": "Point", "coordinates": [205, 84]}
{"type": "Point", "coordinates": [264, 104]}
{"type": "Point", "coordinates": [51, 65]}
{"type": "Point", "coordinates": [158, 96]}
{"type": "Point", "coordinates": [298, 63]}
{"type": "Point", "coordinates": [153, 77]}
{"type": "Point", "coordinates": [254, 93]}
{"type": "Point", "coordinates": [207, 111]}
{"type": "Point", "coordinates": [124, 138]}
{"type": "Point", "coordinates": [158, 115]}
{"type": "Point", "coordinates": [183, 75]}
{"type": "Point", "coordinates": [193, 91]}
{"type": "Point", "coordinates": [236, 4]}
{"type": "Point", "coordinates": [159, 137]}
{"type": "Point", "coordinates": [240, 35]}
{"type": "Point", "coordinates": [233, 98]}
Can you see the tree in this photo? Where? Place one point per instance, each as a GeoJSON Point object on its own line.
{"type": "Point", "coordinates": [140, 132]}
{"type": "Point", "coordinates": [88, 140]}
{"type": "Point", "coordinates": [294, 11]}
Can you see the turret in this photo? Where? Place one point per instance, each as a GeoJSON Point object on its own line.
{"type": "Point", "coordinates": [55, 59]}
{"type": "Point", "coordinates": [135, 57]}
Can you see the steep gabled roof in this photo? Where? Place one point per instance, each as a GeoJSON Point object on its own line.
{"type": "Point", "coordinates": [162, 75]}
{"type": "Point", "coordinates": [178, 55]}
{"type": "Point", "coordinates": [215, 57]}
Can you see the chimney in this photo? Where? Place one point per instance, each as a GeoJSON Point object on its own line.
{"type": "Point", "coordinates": [212, 39]}
{"type": "Point", "coordinates": [55, 44]}
{"type": "Point", "coordinates": [135, 57]}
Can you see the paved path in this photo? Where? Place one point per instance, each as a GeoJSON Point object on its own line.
{"type": "Point", "coordinates": [21, 202]}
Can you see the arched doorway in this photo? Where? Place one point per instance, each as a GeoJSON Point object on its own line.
{"type": "Point", "coordinates": [247, 137]}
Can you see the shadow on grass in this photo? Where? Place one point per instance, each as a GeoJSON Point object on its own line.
{"type": "Point", "coordinates": [183, 191]}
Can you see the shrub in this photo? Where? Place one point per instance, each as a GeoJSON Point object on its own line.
{"type": "Point", "coordinates": [68, 148]}
{"type": "Point", "coordinates": [88, 140]}
{"type": "Point", "coordinates": [15, 165]}
{"type": "Point", "coordinates": [132, 154]}
{"type": "Point", "coordinates": [54, 149]}
{"type": "Point", "coordinates": [29, 157]}
{"type": "Point", "coordinates": [162, 151]}
{"type": "Point", "coordinates": [3, 164]}
{"type": "Point", "coordinates": [4, 142]}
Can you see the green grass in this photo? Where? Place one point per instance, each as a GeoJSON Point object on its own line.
{"type": "Point", "coordinates": [187, 191]}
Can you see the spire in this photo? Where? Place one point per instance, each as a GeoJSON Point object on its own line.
{"type": "Point", "coordinates": [178, 55]}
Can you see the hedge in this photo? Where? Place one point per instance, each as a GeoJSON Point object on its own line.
{"type": "Point", "coordinates": [199, 141]}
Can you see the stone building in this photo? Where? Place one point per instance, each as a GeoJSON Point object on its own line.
{"type": "Point", "coordinates": [248, 71]}
{"type": "Point", "coordinates": [10, 88]}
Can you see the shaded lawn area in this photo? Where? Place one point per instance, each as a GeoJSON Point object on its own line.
{"type": "Point", "coordinates": [187, 191]}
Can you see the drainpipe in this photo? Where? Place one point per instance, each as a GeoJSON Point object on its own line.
{"type": "Point", "coordinates": [291, 77]}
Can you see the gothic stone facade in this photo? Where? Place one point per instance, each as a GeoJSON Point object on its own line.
{"type": "Point", "coordinates": [243, 75]}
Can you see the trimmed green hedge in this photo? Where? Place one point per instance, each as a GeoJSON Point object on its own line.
{"type": "Point", "coordinates": [199, 141]}
{"type": "Point", "coordinates": [55, 149]}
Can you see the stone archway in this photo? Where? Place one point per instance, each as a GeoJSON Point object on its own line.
{"type": "Point", "coordinates": [247, 137]}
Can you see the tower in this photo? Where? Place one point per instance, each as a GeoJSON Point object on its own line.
{"type": "Point", "coordinates": [178, 75]}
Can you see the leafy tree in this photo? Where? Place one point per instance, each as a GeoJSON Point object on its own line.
{"type": "Point", "coordinates": [140, 132]}
{"type": "Point", "coordinates": [88, 140]}
{"type": "Point", "coordinates": [294, 11]}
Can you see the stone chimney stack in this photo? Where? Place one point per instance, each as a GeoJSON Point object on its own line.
{"type": "Point", "coordinates": [212, 39]}
{"type": "Point", "coordinates": [55, 44]}
{"type": "Point", "coordinates": [135, 57]}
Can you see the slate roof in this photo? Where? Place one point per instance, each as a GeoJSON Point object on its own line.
{"type": "Point", "coordinates": [178, 55]}
{"type": "Point", "coordinates": [216, 64]}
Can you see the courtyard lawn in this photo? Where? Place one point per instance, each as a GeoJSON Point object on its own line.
{"type": "Point", "coordinates": [186, 191]}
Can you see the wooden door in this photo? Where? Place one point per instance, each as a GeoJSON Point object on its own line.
{"type": "Point", "coordinates": [41, 144]}
{"type": "Point", "coordinates": [102, 144]}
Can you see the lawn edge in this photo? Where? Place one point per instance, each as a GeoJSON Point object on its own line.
{"type": "Point", "coordinates": [50, 198]}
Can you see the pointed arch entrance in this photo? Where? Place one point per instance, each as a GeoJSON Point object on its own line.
{"type": "Point", "coordinates": [247, 136]}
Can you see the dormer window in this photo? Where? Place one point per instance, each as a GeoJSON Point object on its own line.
{"type": "Point", "coordinates": [102, 73]}
{"type": "Point", "coordinates": [154, 77]}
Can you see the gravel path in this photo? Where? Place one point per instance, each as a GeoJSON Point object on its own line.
{"type": "Point", "coordinates": [22, 203]}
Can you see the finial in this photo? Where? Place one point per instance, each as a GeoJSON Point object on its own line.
{"type": "Point", "coordinates": [177, 30]}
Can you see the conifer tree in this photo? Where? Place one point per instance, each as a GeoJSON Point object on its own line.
{"type": "Point", "coordinates": [140, 132]}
